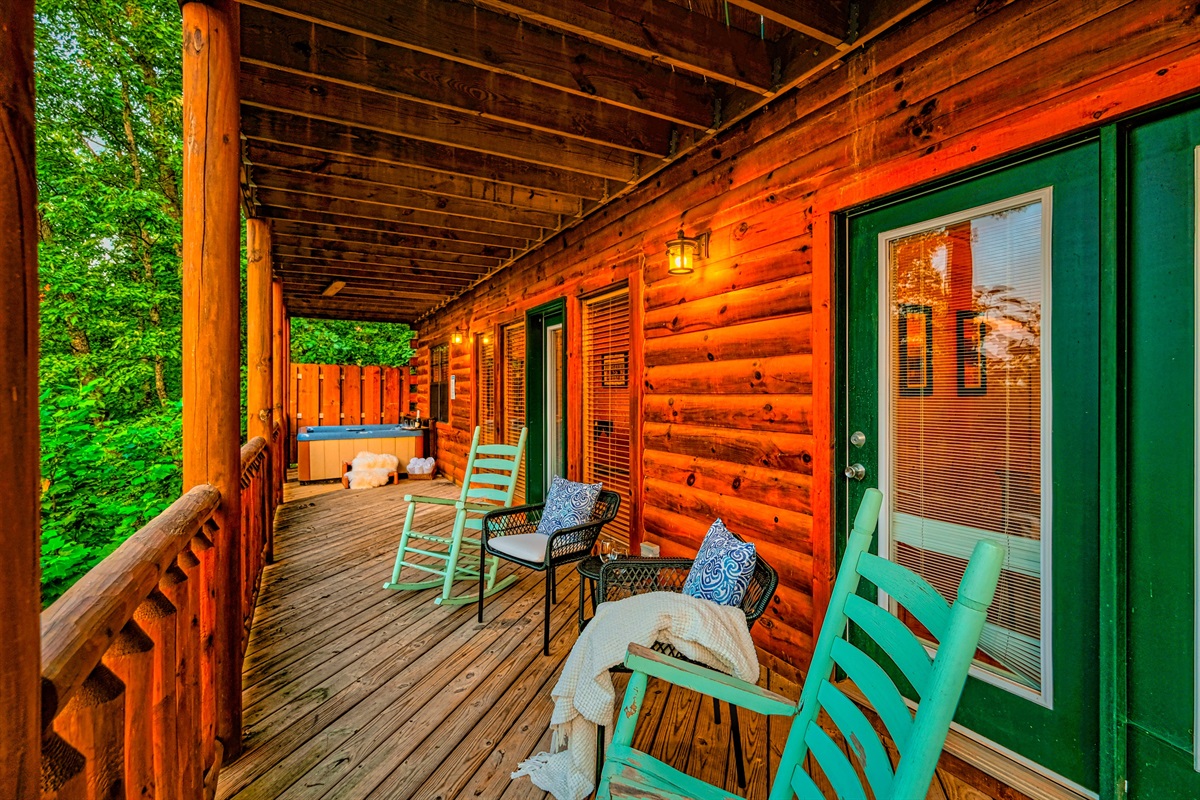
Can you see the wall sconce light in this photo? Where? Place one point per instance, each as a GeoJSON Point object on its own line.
{"type": "Point", "coordinates": [457, 336]}
{"type": "Point", "coordinates": [683, 251]}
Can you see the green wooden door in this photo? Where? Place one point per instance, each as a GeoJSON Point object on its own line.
{"type": "Point", "coordinates": [546, 397]}
{"type": "Point", "coordinates": [1161, 457]}
{"type": "Point", "coordinates": [971, 399]}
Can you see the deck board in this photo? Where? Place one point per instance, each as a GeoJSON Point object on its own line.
{"type": "Point", "coordinates": [353, 691]}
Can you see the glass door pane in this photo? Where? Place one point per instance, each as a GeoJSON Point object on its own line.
{"type": "Point", "coordinates": [962, 340]}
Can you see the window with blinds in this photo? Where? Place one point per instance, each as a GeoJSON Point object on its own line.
{"type": "Point", "coordinates": [439, 383]}
{"type": "Point", "coordinates": [512, 388]}
{"type": "Point", "coordinates": [965, 437]}
{"type": "Point", "coordinates": [485, 380]}
{"type": "Point", "coordinates": [607, 432]}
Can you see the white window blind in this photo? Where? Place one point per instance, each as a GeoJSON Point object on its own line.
{"type": "Point", "coordinates": [513, 392]}
{"type": "Point", "coordinates": [485, 377]}
{"type": "Point", "coordinates": [607, 432]}
{"type": "Point", "coordinates": [962, 344]}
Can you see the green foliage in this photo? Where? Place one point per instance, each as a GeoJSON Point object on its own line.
{"type": "Point", "coordinates": [322, 341]}
{"type": "Point", "coordinates": [109, 133]}
{"type": "Point", "coordinates": [101, 480]}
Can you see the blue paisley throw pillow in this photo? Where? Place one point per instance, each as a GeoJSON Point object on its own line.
{"type": "Point", "coordinates": [722, 569]}
{"type": "Point", "coordinates": [568, 504]}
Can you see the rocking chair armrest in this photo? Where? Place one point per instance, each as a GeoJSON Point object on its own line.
{"type": "Point", "coordinates": [433, 501]}
{"type": "Point", "coordinates": [708, 681]}
{"type": "Point", "coordinates": [481, 508]}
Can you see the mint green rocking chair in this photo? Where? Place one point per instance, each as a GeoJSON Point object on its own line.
{"type": "Point", "coordinates": [918, 737]}
{"type": "Point", "coordinates": [490, 483]}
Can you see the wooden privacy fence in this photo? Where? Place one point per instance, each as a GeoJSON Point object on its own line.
{"type": "Point", "coordinates": [129, 707]}
{"type": "Point", "coordinates": [336, 394]}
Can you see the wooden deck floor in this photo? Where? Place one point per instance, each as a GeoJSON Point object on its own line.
{"type": "Point", "coordinates": [354, 691]}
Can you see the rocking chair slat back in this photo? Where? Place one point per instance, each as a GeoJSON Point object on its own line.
{"type": "Point", "coordinates": [489, 482]}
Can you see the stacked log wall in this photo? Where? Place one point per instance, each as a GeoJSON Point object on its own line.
{"type": "Point", "coordinates": [738, 378]}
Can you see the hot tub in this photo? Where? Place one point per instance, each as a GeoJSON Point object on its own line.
{"type": "Point", "coordinates": [322, 450]}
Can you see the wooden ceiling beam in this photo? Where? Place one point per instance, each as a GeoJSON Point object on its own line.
{"type": "Point", "coordinates": [400, 197]}
{"type": "Point", "coordinates": [498, 43]}
{"type": "Point", "coordinates": [341, 238]}
{"type": "Point", "coordinates": [286, 269]}
{"type": "Point", "coordinates": [349, 227]}
{"type": "Point", "coordinates": [361, 290]}
{"type": "Point", "coordinates": [304, 160]}
{"type": "Point", "coordinates": [385, 213]}
{"type": "Point", "coordinates": [663, 32]}
{"type": "Point", "coordinates": [332, 102]}
{"type": "Point", "coordinates": [330, 246]}
{"type": "Point", "coordinates": [430, 269]}
{"type": "Point", "coordinates": [301, 47]}
{"type": "Point", "coordinates": [826, 21]}
{"type": "Point", "coordinates": [261, 125]}
{"type": "Point", "coordinates": [332, 308]}
{"type": "Point", "coordinates": [396, 258]}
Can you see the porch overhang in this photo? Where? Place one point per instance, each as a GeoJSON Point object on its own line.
{"type": "Point", "coordinates": [415, 149]}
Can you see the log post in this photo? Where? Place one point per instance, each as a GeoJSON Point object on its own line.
{"type": "Point", "coordinates": [260, 354]}
{"type": "Point", "coordinates": [258, 329]}
{"type": "Point", "coordinates": [20, 590]}
{"type": "Point", "coordinates": [211, 266]}
{"type": "Point", "coordinates": [278, 373]}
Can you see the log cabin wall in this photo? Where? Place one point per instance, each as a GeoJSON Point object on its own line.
{"type": "Point", "coordinates": [738, 357]}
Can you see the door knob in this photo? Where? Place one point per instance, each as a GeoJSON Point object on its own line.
{"type": "Point", "coordinates": [855, 471]}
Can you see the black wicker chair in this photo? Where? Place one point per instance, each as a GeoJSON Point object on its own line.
{"type": "Point", "coordinates": [542, 553]}
{"type": "Point", "coordinates": [626, 577]}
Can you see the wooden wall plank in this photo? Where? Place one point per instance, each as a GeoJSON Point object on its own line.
{"type": "Point", "coordinates": [351, 394]}
{"type": "Point", "coordinates": [330, 383]}
{"type": "Point", "coordinates": [308, 395]}
{"type": "Point", "coordinates": [372, 397]}
{"type": "Point", "coordinates": [391, 395]}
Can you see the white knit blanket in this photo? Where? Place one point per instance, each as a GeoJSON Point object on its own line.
{"type": "Point", "coordinates": [584, 696]}
{"type": "Point", "coordinates": [369, 470]}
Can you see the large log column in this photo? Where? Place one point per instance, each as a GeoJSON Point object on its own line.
{"type": "Point", "coordinates": [259, 379]}
{"type": "Point", "coordinates": [211, 266]}
{"type": "Point", "coordinates": [20, 590]}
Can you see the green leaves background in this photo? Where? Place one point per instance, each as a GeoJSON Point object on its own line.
{"type": "Point", "coordinates": [109, 102]}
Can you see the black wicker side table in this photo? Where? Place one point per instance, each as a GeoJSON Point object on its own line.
{"type": "Point", "coordinates": [589, 573]}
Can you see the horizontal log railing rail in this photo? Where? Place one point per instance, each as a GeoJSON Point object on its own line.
{"type": "Point", "coordinates": [128, 706]}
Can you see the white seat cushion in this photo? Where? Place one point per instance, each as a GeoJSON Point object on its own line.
{"type": "Point", "coordinates": [525, 546]}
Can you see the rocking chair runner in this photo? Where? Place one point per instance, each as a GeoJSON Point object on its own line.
{"type": "Point", "coordinates": [490, 482]}
{"type": "Point", "coordinates": [939, 683]}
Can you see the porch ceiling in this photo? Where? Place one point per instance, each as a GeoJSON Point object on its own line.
{"type": "Point", "coordinates": [411, 148]}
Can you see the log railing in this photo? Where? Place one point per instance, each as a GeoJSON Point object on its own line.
{"type": "Point", "coordinates": [128, 706]}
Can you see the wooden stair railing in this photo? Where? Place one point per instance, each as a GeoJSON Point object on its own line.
{"type": "Point", "coordinates": [128, 707]}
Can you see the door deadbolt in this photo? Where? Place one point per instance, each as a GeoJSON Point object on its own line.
{"type": "Point", "coordinates": [855, 471]}
{"type": "Point", "coordinates": [858, 438]}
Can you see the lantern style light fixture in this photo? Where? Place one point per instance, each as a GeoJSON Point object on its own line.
{"type": "Point", "coordinates": [457, 336]}
{"type": "Point", "coordinates": [682, 252]}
